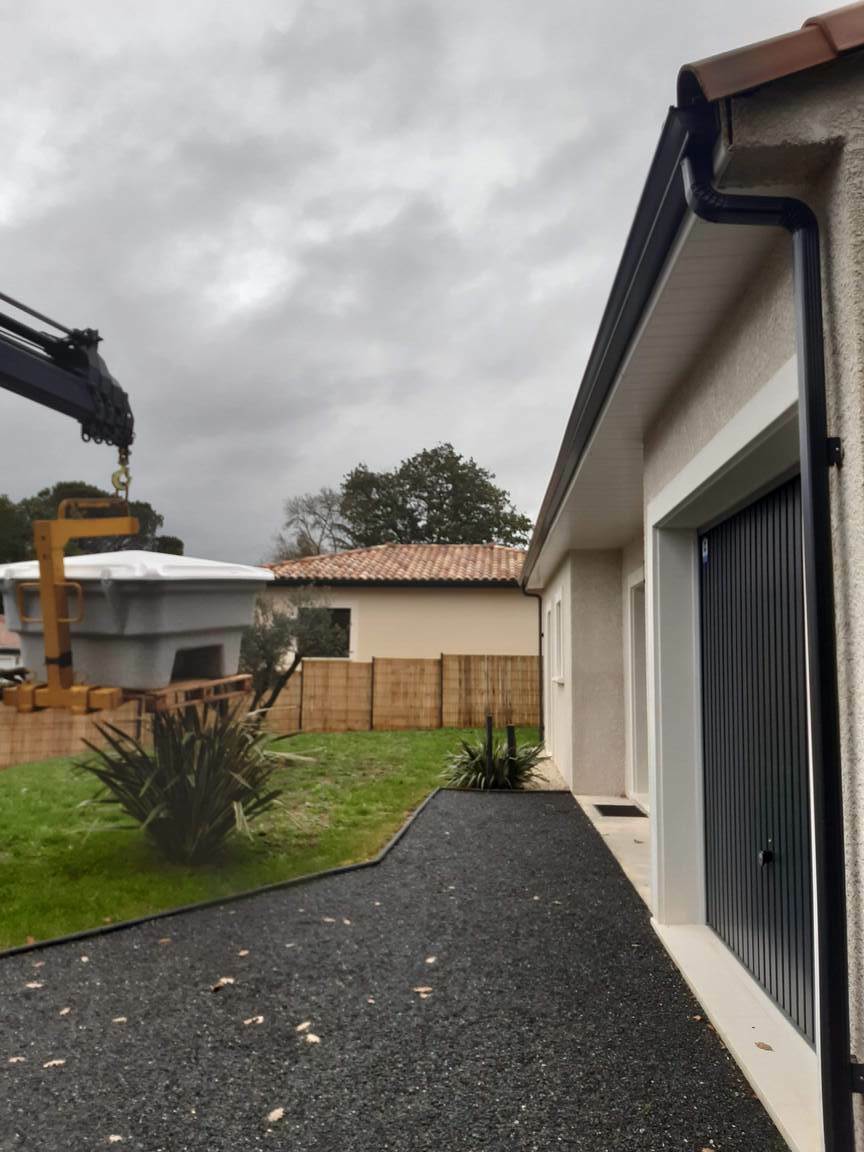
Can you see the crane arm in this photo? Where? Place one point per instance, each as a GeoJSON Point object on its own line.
{"type": "Point", "coordinates": [66, 373]}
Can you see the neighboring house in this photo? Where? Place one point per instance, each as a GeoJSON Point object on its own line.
{"type": "Point", "coordinates": [10, 648]}
{"type": "Point", "coordinates": [696, 505]}
{"type": "Point", "coordinates": [421, 600]}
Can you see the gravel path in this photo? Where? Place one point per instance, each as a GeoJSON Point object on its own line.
{"type": "Point", "coordinates": [553, 1018]}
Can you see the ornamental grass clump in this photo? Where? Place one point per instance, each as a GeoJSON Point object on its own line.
{"type": "Point", "coordinates": [508, 769]}
{"type": "Point", "coordinates": [203, 778]}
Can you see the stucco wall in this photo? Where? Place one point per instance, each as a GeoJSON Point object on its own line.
{"type": "Point", "coordinates": [422, 623]}
{"type": "Point", "coordinates": [597, 673]}
{"type": "Point", "coordinates": [820, 117]}
{"type": "Point", "coordinates": [805, 137]}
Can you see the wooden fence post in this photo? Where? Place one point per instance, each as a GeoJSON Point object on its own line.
{"type": "Point", "coordinates": [372, 696]}
{"type": "Point", "coordinates": [302, 683]}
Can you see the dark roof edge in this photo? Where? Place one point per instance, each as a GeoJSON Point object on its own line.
{"type": "Point", "coordinates": [659, 215]}
{"type": "Point", "coordinates": [318, 582]}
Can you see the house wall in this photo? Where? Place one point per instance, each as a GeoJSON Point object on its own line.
{"type": "Point", "coordinates": [818, 120]}
{"type": "Point", "coordinates": [806, 135]}
{"type": "Point", "coordinates": [818, 116]}
{"type": "Point", "coordinates": [421, 623]}
{"type": "Point", "coordinates": [584, 692]}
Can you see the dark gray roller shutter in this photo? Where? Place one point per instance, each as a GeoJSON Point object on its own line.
{"type": "Point", "coordinates": [757, 827]}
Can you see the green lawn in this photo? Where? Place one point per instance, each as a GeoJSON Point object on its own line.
{"type": "Point", "coordinates": [63, 868]}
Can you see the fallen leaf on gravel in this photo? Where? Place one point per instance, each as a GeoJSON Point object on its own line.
{"type": "Point", "coordinates": [275, 1116]}
{"type": "Point", "coordinates": [291, 945]}
{"type": "Point", "coordinates": [85, 959]}
{"type": "Point", "coordinates": [53, 1063]}
{"type": "Point", "coordinates": [425, 995]}
{"type": "Point", "coordinates": [422, 988]}
{"type": "Point", "coordinates": [431, 959]}
{"type": "Point", "coordinates": [243, 952]}
{"type": "Point", "coordinates": [119, 1020]}
{"type": "Point", "coordinates": [696, 1018]}
{"type": "Point", "coordinates": [765, 1047]}
{"type": "Point", "coordinates": [377, 903]}
{"type": "Point", "coordinates": [327, 920]}
{"type": "Point", "coordinates": [254, 1020]}
{"type": "Point", "coordinates": [65, 1011]}
{"type": "Point", "coordinates": [38, 963]}
{"type": "Point", "coordinates": [346, 921]}
{"type": "Point", "coordinates": [164, 940]}
{"type": "Point", "coordinates": [221, 983]}
{"type": "Point", "coordinates": [115, 1139]}
{"type": "Point", "coordinates": [17, 1059]}
{"type": "Point", "coordinates": [34, 984]}
{"type": "Point", "coordinates": [370, 999]}
{"type": "Point", "coordinates": [302, 1027]}
{"type": "Point", "coordinates": [311, 1038]}
{"type": "Point", "coordinates": [535, 897]}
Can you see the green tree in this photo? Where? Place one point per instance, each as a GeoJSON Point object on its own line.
{"type": "Point", "coordinates": [43, 506]}
{"type": "Point", "coordinates": [437, 496]}
{"type": "Point", "coordinates": [279, 639]}
{"type": "Point", "coordinates": [15, 538]}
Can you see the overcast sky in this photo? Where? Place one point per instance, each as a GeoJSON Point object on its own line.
{"type": "Point", "coordinates": [315, 233]}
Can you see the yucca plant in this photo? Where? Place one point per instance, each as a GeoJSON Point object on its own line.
{"type": "Point", "coordinates": [510, 769]}
{"type": "Point", "coordinates": [202, 779]}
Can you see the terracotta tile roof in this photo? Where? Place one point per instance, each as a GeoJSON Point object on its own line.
{"type": "Point", "coordinates": [821, 39]}
{"type": "Point", "coordinates": [8, 639]}
{"type": "Point", "coordinates": [408, 564]}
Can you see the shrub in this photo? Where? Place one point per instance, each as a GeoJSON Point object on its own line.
{"type": "Point", "coordinates": [203, 779]}
{"type": "Point", "coordinates": [467, 767]}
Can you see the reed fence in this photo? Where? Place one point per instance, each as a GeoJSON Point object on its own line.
{"type": "Point", "coordinates": [326, 696]}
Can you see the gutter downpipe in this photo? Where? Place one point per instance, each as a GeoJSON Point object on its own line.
{"type": "Point", "coordinates": [798, 219]}
{"type": "Point", "coordinates": [538, 596]}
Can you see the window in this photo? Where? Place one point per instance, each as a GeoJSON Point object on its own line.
{"type": "Point", "coordinates": [340, 618]}
{"type": "Point", "coordinates": [324, 631]}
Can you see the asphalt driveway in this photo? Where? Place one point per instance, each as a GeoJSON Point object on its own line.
{"type": "Point", "coordinates": [493, 984]}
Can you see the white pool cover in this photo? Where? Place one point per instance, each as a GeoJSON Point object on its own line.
{"type": "Point", "coordinates": [149, 617]}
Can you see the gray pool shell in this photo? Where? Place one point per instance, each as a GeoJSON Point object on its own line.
{"type": "Point", "coordinates": [149, 617]}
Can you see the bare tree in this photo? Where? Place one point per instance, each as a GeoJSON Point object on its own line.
{"type": "Point", "coordinates": [313, 525]}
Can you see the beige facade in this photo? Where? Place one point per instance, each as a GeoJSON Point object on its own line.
{"type": "Point", "coordinates": [714, 435]}
{"type": "Point", "coordinates": [424, 622]}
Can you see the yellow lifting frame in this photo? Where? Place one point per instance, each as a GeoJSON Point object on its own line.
{"type": "Point", "coordinates": [50, 539]}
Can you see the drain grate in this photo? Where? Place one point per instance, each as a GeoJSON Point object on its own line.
{"type": "Point", "coordinates": [619, 810]}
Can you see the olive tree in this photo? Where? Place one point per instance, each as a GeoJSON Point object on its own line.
{"type": "Point", "coordinates": [281, 636]}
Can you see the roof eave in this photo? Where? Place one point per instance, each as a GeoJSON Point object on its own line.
{"type": "Point", "coordinates": [656, 224]}
{"type": "Point", "coordinates": [309, 582]}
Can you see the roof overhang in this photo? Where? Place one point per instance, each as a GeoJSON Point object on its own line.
{"type": "Point", "coordinates": [677, 279]}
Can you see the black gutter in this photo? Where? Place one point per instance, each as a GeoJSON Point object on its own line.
{"type": "Point", "coordinates": [822, 690]}
{"type": "Point", "coordinates": [659, 216]}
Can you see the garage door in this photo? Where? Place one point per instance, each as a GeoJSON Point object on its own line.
{"type": "Point", "coordinates": [757, 830]}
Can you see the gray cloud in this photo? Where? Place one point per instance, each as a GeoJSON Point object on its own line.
{"type": "Point", "coordinates": [313, 233]}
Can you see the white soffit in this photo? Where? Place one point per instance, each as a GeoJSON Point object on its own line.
{"type": "Point", "coordinates": [707, 271]}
